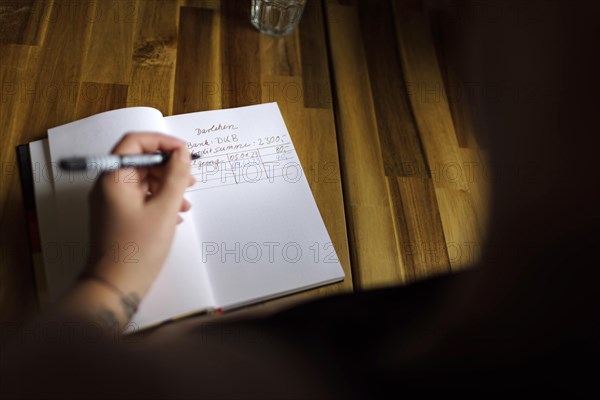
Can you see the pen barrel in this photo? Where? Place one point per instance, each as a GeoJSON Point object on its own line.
{"type": "Point", "coordinates": [142, 160]}
{"type": "Point", "coordinates": [112, 162]}
{"type": "Point", "coordinates": [98, 163]}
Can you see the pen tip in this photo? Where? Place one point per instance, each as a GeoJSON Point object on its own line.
{"type": "Point", "coordinates": [73, 164]}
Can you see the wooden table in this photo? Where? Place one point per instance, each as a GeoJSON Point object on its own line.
{"type": "Point", "coordinates": [366, 89]}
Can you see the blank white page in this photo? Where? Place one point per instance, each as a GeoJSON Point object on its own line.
{"type": "Point", "coordinates": [181, 286]}
{"type": "Point", "coordinates": [261, 234]}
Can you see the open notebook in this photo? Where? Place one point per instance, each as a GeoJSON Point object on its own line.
{"type": "Point", "coordinates": [254, 231]}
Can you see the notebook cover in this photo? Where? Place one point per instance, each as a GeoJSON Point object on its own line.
{"type": "Point", "coordinates": [27, 189]}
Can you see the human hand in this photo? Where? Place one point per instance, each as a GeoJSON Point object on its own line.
{"type": "Point", "coordinates": [134, 212]}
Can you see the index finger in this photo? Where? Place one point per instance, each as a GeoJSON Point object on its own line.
{"type": "Point", "coordinates": [146, 142]}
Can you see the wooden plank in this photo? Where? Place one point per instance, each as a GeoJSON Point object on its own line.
{"type": "Point", "coordinates": [198, 72]}
{"type": "Point", "coordinates": [112, 26]}
{"type": "Point", "coordinates": [374, 248]}
{"type": "Point", "coordinates": [426, 93]}
{"type": "Point", "coordinates": [400, 144]}
{"type": "Point", "coordinates": [19, 63]}
{"type": "Point", "coordinates": [14, 18]}
{"type": "Point", "coordinates": [479, 178]}
{"type": "Point", "coordinates": [17, 93]}
{"type": "Point", "coordinates": [373, 252]}
{"type": "Point", "coordinates": [208, 4]}
{"type": "Point", "coordinates": [55, 84]}
{"type": "Point", "coordinates": [24, 21]}
{"type": "Point", "coordinates": [463, 237]}
{"type": "Point", "coordinates": [418, 228]}
{"type": "Point", "coordinates": [313, 49]}
{"type": "Point", "coordinates": [240, 62]}
{"type": "Point", "coordinates": [94, 98]}
{"type": "Point", "coordinates": [35, 31]}
{"type": "Point", "coordinates": [154, 55]}
{"type": "Point", "coordinates": [280, 56]}
{"type": "Point", "coordinates": [458, 94]}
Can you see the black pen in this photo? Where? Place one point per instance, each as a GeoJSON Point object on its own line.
{"type": "Point", "coordinates": [111, 162]}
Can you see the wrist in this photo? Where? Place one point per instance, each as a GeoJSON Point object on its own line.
{"type": "Point", "coordinates": [94, 300]}
{"type": "Point", "coordinates": [129, 301]}
{"type": "Point", "coordinates": [129, 277]}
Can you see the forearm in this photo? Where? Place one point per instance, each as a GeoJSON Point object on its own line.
{"type": "Point", "coordinates": [107, 293]}
{"type": "Point", "coordinates": [90, 300]}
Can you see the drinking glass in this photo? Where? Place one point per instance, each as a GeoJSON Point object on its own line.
{"type": "Point", "coordinates": [276, 17]}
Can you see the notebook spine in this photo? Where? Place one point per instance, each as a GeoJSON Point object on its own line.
{"type": "Point", "coordinates": [27, 189]}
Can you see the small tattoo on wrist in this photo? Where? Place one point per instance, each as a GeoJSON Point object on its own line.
{"type": "Point", "coordinates": [130, 304]}
{"type": "Point", "coordinates": [108, 319]}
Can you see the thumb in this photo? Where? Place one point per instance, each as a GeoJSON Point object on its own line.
{"type": "Point", "coordinates": [175, 181]}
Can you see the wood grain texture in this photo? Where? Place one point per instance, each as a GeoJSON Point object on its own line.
{"type": "Point", "coordinates": [24, 21]}
{"type": "Point", "coordinates": [241, 66]}
{"type": "Point", "coordinates": [154, 55]}
{"type": "Point", "coordinates": [401, 147]}
{"type": "Point", "coordinates": [426, 93]}
{"type": "Point", "coordinates": [413, 211]}
{"type": "Point", "coordinates": [479, 179]}
{"type": "Point", "coordinates": [458, 93]}
{"type": "Point", "coordinates": [374, 257]}
{"type": "Point", "coordinates": [112, 26]}
{"type": "Point", "coordinates": [398, 175]}
{"type": "Point", "coordinates": [280, 56]}
{"type": "Point", "coordinates": [419, 229]}
{"type": "Point", "coordinates": [313, 46]}
{"type": "Point", "coordinates": [53, 88]}
{"type": "Point", "coordinates": [197, 83]}
{"type": "Point", "coordinates": [94, 98]}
